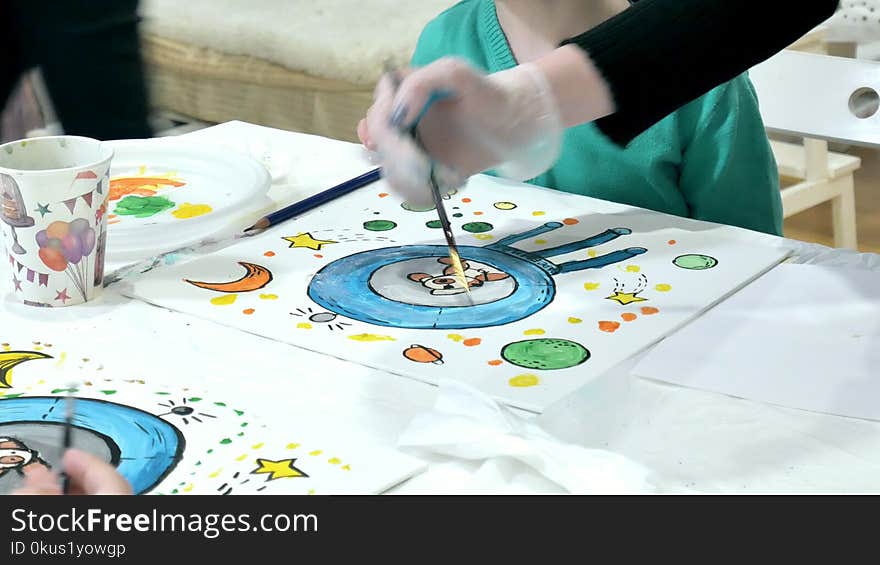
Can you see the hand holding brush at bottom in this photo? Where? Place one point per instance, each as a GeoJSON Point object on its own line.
{"type": "Point", "coordinates": [87, 475]}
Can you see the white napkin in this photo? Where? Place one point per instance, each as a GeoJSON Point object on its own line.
{"type": "Point", "coordinates": [468, 424]}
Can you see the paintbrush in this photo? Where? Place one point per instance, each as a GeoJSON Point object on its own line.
{"type": "Point", "coordinates": [454, 257]}
{"type": "Point", "coordinates": [68, 435]}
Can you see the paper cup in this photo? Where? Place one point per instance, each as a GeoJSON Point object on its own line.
{"type": "Point", "coordinates": [53, 216]}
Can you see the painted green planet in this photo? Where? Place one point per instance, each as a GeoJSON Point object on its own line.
{"type": "Point", "coordinates": [379, 225]}
{"type": "Point", "coordinates": [695, 262]}
{"type": "Point", "coordinates": [434, 224]}
{"type": "Point", "coordinates": [545, 353]}
{"type": "Point", "coordinates": [477, 227]}
{"type": "Point", "coordinates": [142, 206]}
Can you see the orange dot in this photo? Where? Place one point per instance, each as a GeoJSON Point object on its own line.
{"type": "Point", "coordinates": [471, 342]}
{"type": "Point", "coordinates": [478, 213]}
{"type": "Point", "coordinates": [248, 311]}
{"type": "Point", "coordinates": [628, 317]}
{"type": "Point", "coordinates": [269, 253]}
{"type": "Point", "coordinates": [383, 194]}
{"type": "Point", "coordinates": [319, 256]}
{"type": "Point", "coordinates": [571, 221]}
{"type": "Point", "coordinates": [672, 242]}
{"type": "Point", "coordinates": [648, 310]}
{"type": "Point", "coordinates": [466, 200]}
{"type": "Point", "coordinates": [609, 327]}
{"type": "Point", "coordinates": [495, 362]}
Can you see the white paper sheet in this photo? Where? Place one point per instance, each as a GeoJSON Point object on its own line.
{"type": "Point", "coordinates": [363, 279]}
{"type": "Point", "coordinates": [801, 336]}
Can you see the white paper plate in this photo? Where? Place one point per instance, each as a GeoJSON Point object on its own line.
{"type": "Point", "coordinates": [166, 194]}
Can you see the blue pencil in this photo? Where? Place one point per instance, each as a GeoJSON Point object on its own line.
{"type": "Point", "coordinates": [311, 202]}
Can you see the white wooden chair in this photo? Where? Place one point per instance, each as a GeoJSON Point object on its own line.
{"type": "Point", "coordinates": [821, 99]}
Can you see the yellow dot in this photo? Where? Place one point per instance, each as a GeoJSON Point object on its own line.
{"type": "Point", "coordinates": [484, 236]}
{"type": "Point", "coordinates": [216, 473]}
{"type": "Point", "coordinates": [632, 269]}
{"type": "Point", "coordinates": [455, 337]}
{"type": "Point", "coordinates": [224, 300]}
{"type": "Point", "coordinates": [311, 491]}
{"type": "Point", "coordinates": [535, 331]}
{"type": "Point", "coordinates": [304, 326]}
{"type": "Point", "coordinates": [346, 467]}
{"type": "Point", "coordinates": [292, 445]}
{"type": "Point", "coordinates": [188, 487]}
{"type": "Point", "coordinates": [241, 457]}
{"type": "Point", "coordinates": [591, 253]}
{"type": "Point", "coordinates": [574, 320]}
{"type": "Point", "coordinates": [268, 297]}
{"type": "Point", "coordinates": [505, 205]}
{"type": "Point", "coordinates": [524, 380]}
{"type": "Point", "coordinates": [538, 213]}
{"type": "Point", "coordinates": [334, 461]}
{"type": "Point", "coordinates": [316, 452]}
{"type": "Point", "coordinates": [257, 446]}
{"type": "Point", "coordinates": [541, 241]}
{"type": "Point", "coordinates": [591, 286]}
{"type": "Point", "coordinates": [663, 287]}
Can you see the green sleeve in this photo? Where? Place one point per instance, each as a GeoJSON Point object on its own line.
{"type": "Point", "coordinates": [728, 174]}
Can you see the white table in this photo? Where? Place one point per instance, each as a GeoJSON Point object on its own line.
{"type": "Point", "coordinates": [692, 440]}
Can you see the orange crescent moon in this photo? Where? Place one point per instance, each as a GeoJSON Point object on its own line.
{"type": "Point", "coordinates": [255, 278]}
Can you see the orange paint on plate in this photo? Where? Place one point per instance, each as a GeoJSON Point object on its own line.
{"type": "Point", "coordinates": [473, 341]}
{"type": "Point", "coordinates": [628, 317]}
{"type": "Point", "coordinates": [478, 213]}
{"type": "Point", "coordinates": [269, 253]}
{"type": "Point", "coordinates": [466, 200]}
{"type": "Point", "coordinates": [570, 221]}
{"type": "Point", "coordinates": [248, 311]}
{"type": "Point", "coordinates": [383, 194]}
{"type": "Point", "coordinates": [609, 327]}
{"type": "Point", "coordinates": [495, 362]}
{"type": "Point", "coordinates": [672, 242]}
{"type": "Point", "coordinates": [319, 256]}
{"type": "Point", "coordinates": [649, 310]}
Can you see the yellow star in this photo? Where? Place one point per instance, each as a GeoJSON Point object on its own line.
{"type": "Point", "coordinates": [624, 298]}
{"type": "Point", "coordinates": [306, 240]}
{"type": "Point", "coordinates": [277, 469]}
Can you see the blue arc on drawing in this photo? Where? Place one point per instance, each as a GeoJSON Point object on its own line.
{"type": "Point", "coordinates": [148, 446]}
{"type": "Point", "coordinates": [343, 286]}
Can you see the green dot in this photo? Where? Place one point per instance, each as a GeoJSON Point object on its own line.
{"type": "Point", "coordinates": [194, 399]}
{"type": "Point", "coordinates": [379, 225]}
{"type": "Point", "coordinates": [457, 215]}
{"type": "Point", "coordinates": [695, 262]}
{"type": "Point", "coordinates": [477, 227]}
{"type": "Point", "coordinates": [434, 224]}
{"type": "Point", "coordinates": [225, 441]}
{"type": "Point", "coordinates": [108, 392]}
{"type": "Point", "coordinates": [414, 208]}
{"type": "Point", "coordinates": [545, 353]}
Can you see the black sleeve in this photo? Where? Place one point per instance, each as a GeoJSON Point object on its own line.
{"type": "Point", "coordinates": [661, 54]}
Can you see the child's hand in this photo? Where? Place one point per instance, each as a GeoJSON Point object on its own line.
{"type": "Point", "coordinates": [508, 120]}
{"type": "Point", "coordinates": [88, 475]}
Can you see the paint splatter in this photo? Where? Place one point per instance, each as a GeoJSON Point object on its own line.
{"type": "Point", "coordinates": [505, 205]}
{"type": "Point", "coordinates": [633, 268]}
{"type": "Point", "coordinates": [455, 337]}
{"type": "Point", "coordinates": [609, 327]}
{"type": "Point", "coordinates": [538, 213]}
{"type": "Point", "coordinates": [472, 342]}
{"type": "Point", "coordinates": [224, 300]}
{"type": "Point", "coordinates": [477, 227]}
{"type": "Point", "coordinates": [269, 254]}
{"type": "Point", "coordinates": [541, 241]}
{"type": "Point", "coordinates": [591, 286]}
{"type": "Point", "coordinates": [434, 224]}
{"type": "Point", "coordinates": [421, 354]}
{"type": "Point", "coordinates": [187, 210]}
{"type": "Point", "coordinates": [571, 221]}
{"type": "Point", "coordinates": [478, 213]}
{"type": "Point", "coordinates": [591, 253]}
{"type": "Point", "coordinates": [521, 381]}
{"type": "Point", "coordinates": [535, 331]}
{"type": "Point", "coordinates": [371, 337]}
{"type": "Point", "coordinates": [304, 326]}
{"type": "Point", "coordinates": [334, 461]}
{"type": "Point", "coordinates": [457, 215]}
{"type": "Point", "coordinates": [671, 242]}
{"type": "Point", "coordinates": [248, 311]}
{"type": "Point", "coordinates": [142, 206]}
{"type": "Point", "coordinates": [318, 256]}
{"type": "Point", "coordinates": [379, 225]}
{"type": "Point", "coordinates": [268, 297]}
{"type": "Point", "coordinates": [649, 310]}
{"type": "Point", "coordinates": [484, 236]}
{"type": "Point", "coordinates": [662, 287]}
{"type": "Point", "coordinates": [466, 200]}
{"type": "Point", "coordinates": [495, 362]}
{"type": "Point", "coordinates": [574, 320]}
{"type": "Point", "coordinates": [695, 262]}
{"type": "Point", "coordinates": [383, 194]}
{"type": "Point", "coordinates": [545, 353]}
{"type": "Point", "coordinates": [628, 317]}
